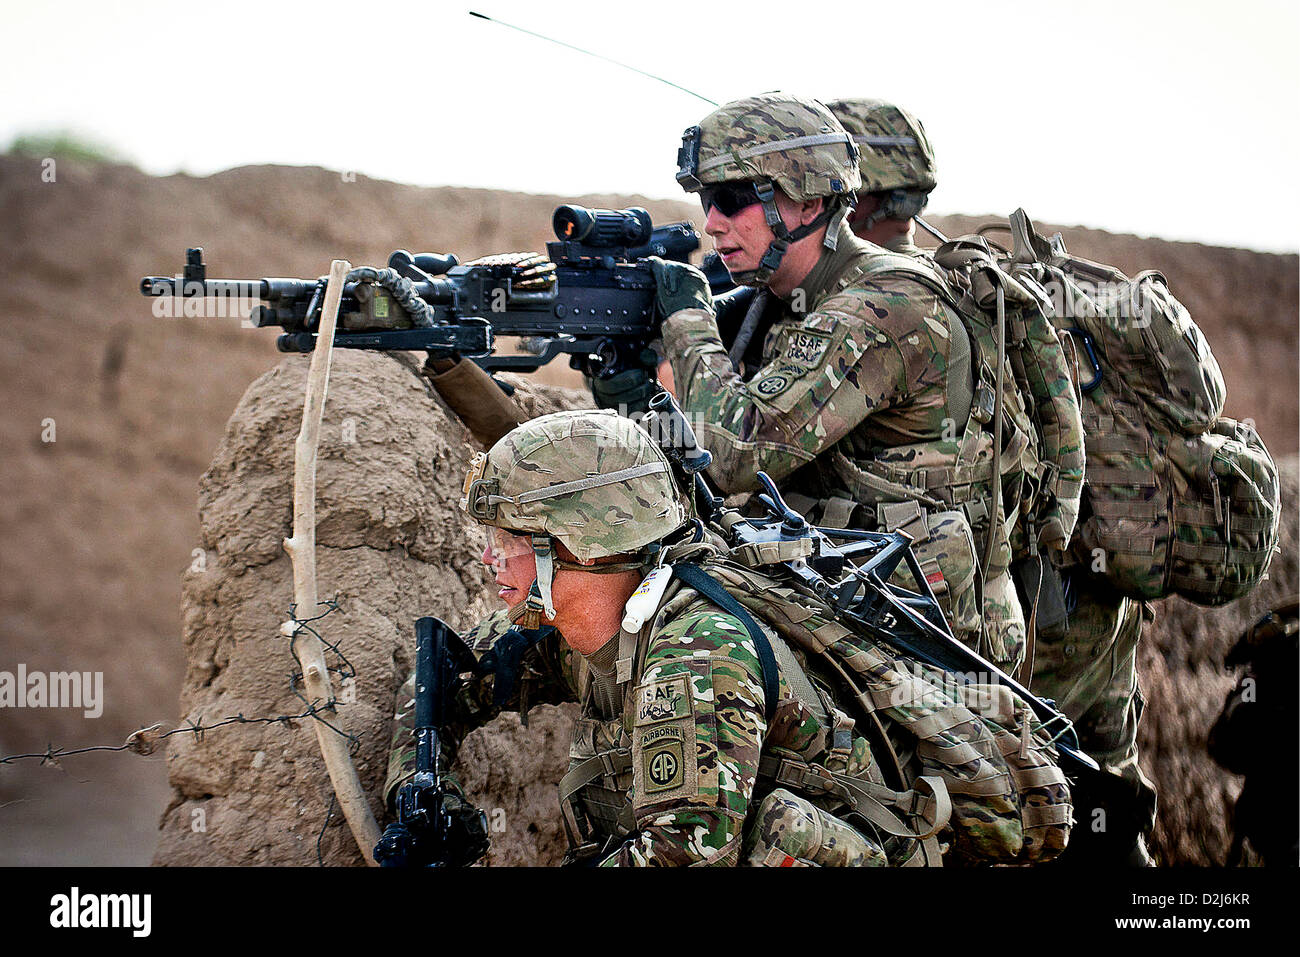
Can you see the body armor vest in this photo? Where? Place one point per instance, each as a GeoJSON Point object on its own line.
{"type": "Point", "coordinates": [940, 490]}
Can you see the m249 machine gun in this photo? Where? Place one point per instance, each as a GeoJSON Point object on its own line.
{"type": "Point", "coordinates": [592, 298]}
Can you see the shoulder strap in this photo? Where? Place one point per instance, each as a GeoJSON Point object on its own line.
{"type": "Point", "coordinates": [962, 364]}
{"type": "Point", "coordinates": [696, 577]}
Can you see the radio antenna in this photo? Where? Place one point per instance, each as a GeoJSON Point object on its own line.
{"type": "Point", "coordinates": [678, 86]}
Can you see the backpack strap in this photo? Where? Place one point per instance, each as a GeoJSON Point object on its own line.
{"type": "Point", "coordinates": [576, 828]}
{"type": "Point", "coordinates": [697, 578]}
{"type": "Point", "coordinates": [962, 368]}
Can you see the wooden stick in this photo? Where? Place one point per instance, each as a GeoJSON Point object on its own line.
{"type": "Point", "coordinates": [302, 553]}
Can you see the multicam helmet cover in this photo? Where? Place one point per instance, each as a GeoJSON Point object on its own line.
{"type": "Point", "coordinates": [775, 140]}
{"type": "Point", "coordinates": [895, 152]}
{"type": "Point", "coordinates": [792, 141]}
{"type": "Point", "coordinates": [592, 480]}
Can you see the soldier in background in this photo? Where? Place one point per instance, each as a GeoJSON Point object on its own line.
{"type": "Point", "coordinates": [1090, 671]}
{"type": "Point", "coordinates": [897, 167]}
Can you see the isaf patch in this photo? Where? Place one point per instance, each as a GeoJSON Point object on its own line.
{"type": "Point", "coordinates": [664, 764]}
{"type": "Point", "coordinates": [664, 700]}
{"type": "Point", "coordinates": [806, 349]}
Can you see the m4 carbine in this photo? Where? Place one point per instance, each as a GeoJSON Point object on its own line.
{"type": "Point", "coordinates": [434, 827]}
{"type": "Point", "coordinates": [594, 300]}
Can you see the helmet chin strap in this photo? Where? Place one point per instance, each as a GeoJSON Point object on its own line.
{"type": "Point", "coordinates": [832, 214]}
{"type": "Point", "coordinates": [544, 552]}
{"type": "Point", "coordinates": [530, 612]}
{"type": "Point", "coordinates": [900, 204]}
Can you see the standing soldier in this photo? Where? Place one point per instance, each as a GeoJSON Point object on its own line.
{"type": "Point", "coordinates": [1091, 669]}
{"type": "Point", "coordinates": [897, 167]}
{"type": "Point", "coordinates": [861, 408]}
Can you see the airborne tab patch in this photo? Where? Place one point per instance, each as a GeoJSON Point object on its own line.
{"type": "Point", "coordinates": [663, 759]}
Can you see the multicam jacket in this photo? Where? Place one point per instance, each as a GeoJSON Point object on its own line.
{"type": "Point", "coordinates": [851, 361]}
{"type": "Point", "coordinates": [664, 771]}
{"type": "Point", "coordinates": [863, 399]}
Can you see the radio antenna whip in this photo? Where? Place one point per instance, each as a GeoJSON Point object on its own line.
{"type": "Point", "coordinates": [483, 16]}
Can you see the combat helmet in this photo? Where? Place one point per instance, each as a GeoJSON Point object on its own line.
{"type": "Point", "coordinates": [592, 480]}
{"type": "Point", "coordinates": [775, 139]}
{"type": "Point", "coordinates": [896, 158]}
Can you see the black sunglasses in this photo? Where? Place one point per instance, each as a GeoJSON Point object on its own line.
{"type": "Point", "coordinates": [729, 198]}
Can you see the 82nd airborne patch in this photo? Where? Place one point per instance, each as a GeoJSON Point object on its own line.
{"type": "Point", "coordinates": [773, 385]}
{"type": "Point", "coordinates": [663, 762]}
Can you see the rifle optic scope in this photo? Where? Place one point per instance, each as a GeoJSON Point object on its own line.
{"type": "Point", "coordinates": [611, 228]}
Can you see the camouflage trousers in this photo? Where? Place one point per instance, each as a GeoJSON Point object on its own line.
{"type": "Point", "coordinates": [1091, 674]}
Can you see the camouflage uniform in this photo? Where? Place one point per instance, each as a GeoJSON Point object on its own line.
{"type": "Point", "coordinates": [858, 381]}
{"type": "Point", "coordinates": [675, 719]}
{"type": "Point", "coordinates": [1091, 670]}
{"type": "Point", "coordinates": [857, 402]}
{"type": "Point", "coordinates": [683, 743]}
{"type": "Point", "coordinates": [903, 245]}
{"type": "Point", "coordinates": [1091, 674]}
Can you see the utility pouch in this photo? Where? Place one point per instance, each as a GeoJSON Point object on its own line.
{"type": "Point", "coordinates": [1039, 583]}
{"type": "Point", "coordinates": [945, 547]}
{"type": "Point", "coordinates": [788, 831]}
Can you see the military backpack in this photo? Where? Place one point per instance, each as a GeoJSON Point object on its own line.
{"type": "Point", "coordinates": [1031, 409]}
{"type": "Point", "coordinates": [1178, 499]}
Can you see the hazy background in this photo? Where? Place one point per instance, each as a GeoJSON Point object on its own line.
{"type": "Point", "coordinates": [1172, 119]}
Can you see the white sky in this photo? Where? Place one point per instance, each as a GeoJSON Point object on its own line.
{"type": "Point", "coordinates": [1175, 119]}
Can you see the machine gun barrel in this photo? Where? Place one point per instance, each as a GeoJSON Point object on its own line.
{"type": "Point", "coordinates": [598, 307]}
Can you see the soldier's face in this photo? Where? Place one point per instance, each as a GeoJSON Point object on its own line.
{"type": "Point", "coordinates": [740, 239]}
{"type": "Point", "coordinates": [513, 563]}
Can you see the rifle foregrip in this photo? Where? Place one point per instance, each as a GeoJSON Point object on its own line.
{"type": "Point", "coordinates": [424, 672]}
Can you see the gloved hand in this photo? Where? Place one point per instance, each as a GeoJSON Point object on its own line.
{"type": "Point", "coordinates": [626, 392]}
{"type": "Point", "coordinates": [679, 286]}
{"type": "Point", "coordinates": [460, 842]}
{"type": "Point", "coordinates": [466, 839]}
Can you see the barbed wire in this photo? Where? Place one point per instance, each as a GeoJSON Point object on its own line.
{"type": "Point", "coordinates": [329, 814]}
{"type": "Point", "coordinates": [144, 741]}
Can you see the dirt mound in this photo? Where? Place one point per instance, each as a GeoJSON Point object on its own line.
{"type": "Point", "coordinates": [98, 526]}
{"type": "Point", "coordinates": [391, 546]}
